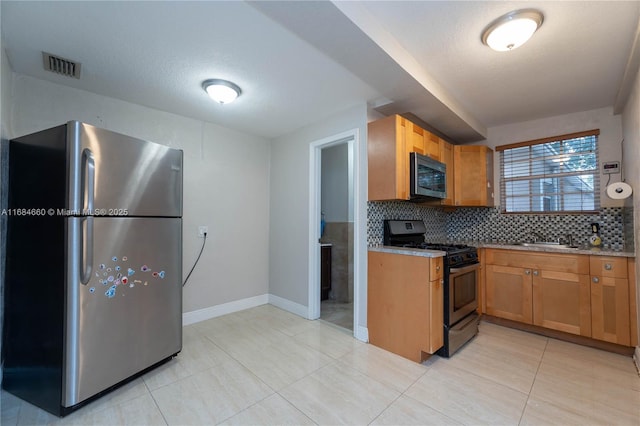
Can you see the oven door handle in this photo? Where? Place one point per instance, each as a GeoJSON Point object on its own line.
{"type": "Point", "coordinates": [464, 269]}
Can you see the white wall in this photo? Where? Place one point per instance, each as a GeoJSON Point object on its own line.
{"type": "Point", "coordinates": [289, 214]}
{"type": "Point", "coordinates": [608, 142]}
{"type": "Point", "coordinates": [335, 183]}
{"type": "Point", "coordinates": [631, 131]}
{"type": "Point", "coordinates": [226, 182]}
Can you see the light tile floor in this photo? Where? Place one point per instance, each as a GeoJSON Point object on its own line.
{"type": "Point", "coordinates": [267, 366]}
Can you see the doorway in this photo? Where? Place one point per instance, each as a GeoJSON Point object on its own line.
{"type": "Point", "coordinates": [336, 235]}
{"type": "Point", "coordinates": [334, 229]}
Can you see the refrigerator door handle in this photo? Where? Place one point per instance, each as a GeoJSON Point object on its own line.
{"type": "Point", "coordinates": [87, 250]}
{"type": "Point", "coordinates": [88, 187]}
{"type": "Point", "coordinates": [88, 181]}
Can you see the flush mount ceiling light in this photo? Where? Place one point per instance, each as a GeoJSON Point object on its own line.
{"type": "Point", "coordinates": [221, 91]}
{"type": "Point", "coordinates": [512, 30]}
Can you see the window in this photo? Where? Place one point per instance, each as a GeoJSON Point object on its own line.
{"type": "Point", "coordinates": [558, 174]}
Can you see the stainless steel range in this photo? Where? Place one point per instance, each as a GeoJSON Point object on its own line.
{"type": "Point", "coordinates": [461, 268]}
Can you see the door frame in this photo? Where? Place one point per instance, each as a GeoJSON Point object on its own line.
{"type": "Point", "coordinates": [352, 138]}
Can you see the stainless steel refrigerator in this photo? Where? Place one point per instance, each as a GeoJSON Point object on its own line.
{"type": "Point", "coordinates": [93, 283]}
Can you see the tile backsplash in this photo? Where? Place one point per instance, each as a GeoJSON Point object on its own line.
{"type": "Point", "coordinates": [489, 224]}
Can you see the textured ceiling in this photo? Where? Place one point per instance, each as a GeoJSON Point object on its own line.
{"type": "Point", "coordinates": [298, 62]}
{"type": "Point", "coordinates": [574, 62]}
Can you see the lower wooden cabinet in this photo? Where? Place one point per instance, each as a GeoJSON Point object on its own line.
{"type": "Point", "coordinates": [405, 304]}
{"type": "Point", "coordinates": [508, 293]}
{"type": "Point", "coordinates": [578, 294]}
{"type": "Point", "coordinates": [610, 298]}
{"type": "Point", "coordinates": [561, 301]}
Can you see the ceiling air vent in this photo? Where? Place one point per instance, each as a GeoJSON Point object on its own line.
{"type": "Point", "coordinates": [60, 65]}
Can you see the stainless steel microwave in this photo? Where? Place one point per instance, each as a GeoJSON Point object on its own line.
{"type": "Point", "coordinates": [428, 177]}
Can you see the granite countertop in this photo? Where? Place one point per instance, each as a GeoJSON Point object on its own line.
{"type": "Point", "coordinates": [408, 251]}
{"type": "Point", "coordinates": [505, 246]}
{"type": "Point", "coordinates": [580, 250]}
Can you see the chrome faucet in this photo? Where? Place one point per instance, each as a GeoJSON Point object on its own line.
{"type": "Point", "coordinates": [569, 238]}
{"type": "Point", "coordinates": [536, 237]}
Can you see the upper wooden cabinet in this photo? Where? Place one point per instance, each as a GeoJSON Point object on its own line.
{"type": "Point", "coordinates": [446, 156]}
{"type": "Point", "coordinates": [392, 139]}
{"type": "Point", "coordinates": [415, 137]}
{"type": "Point", "coordinates": [388, 154]}
{"type": "Point", "coordinates": [432, 144]}
{"type": "Point", "coordinates": [473, 175]}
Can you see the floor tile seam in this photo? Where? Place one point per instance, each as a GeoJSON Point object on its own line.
{"type": "Point", "coordinates": [273, 391]}
{"type": "Point", "coordinates": [155, 402]}
{"type": "Point", "coordinates": [239, 361]}
{"type": "Point", "coordinates": [602, 381]}
{"type": "Point", "coordinates": [338, 361]}
{"type": "Point", "coordinates": [533, 382]}
{"type": "Point", "coordinates": [431, 407]}
{"type": "Point", "coordinates": [573, 410]}
{"type": "Point", "coordinates": [190, 373]}
{"type": "Point", "coordinates": [166, 422]}
{"type": "Point", "coordinates": [345, 331]}
{"type": "Point", "coordinates": [294, 405]}
{"type": "Point", "coordinates": [246, 408]}
{"type": "Point", "coordinates": [333, 358]}
{"type": "Point", "coordinates": [386, 408]}
{"type": "Point", "coordinates": [485, 378]}
{"type": "Point", "coordinates": [345, 364]}
{"type": "Point", "coordinates": [557, 406]}
{"type": "Point", "coordinates": [89, 410]}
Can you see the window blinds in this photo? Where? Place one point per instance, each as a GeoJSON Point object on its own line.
{"type": "Point", "coordinates": [558, 174]}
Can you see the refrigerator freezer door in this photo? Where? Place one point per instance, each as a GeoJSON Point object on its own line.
{"type": "Point", "coordinates": [116, 175]}
{"type": "Point", "coordinates": [128, 316]}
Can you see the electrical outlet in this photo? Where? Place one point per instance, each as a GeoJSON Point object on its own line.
{"type": "Point", "coordinates": [202, 230]}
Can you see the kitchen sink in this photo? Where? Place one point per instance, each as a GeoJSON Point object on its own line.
{"type": "Point", "coordinates": [547, 244]}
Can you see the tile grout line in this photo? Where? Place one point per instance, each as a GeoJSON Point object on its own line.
{"type": "Point", "coordinates": [404, 393]}
{"type": "Point", "coordinates": [524, 408]}
{"type": "Point", "coordinates": [398, 397]}
{"type": "Point", "coordinates": [155, 402]}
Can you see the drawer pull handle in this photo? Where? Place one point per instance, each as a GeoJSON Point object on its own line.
{"type": "Point", "coordinates": [437, 268]}
{"type": "Point", "coordinates": [535, 273]}
{"type": "Point", "coordinates": [527, 272]}
{"type": "Point", "coordinates": [596, 279]}
{"type": "Point", "coordinates": [608, 266]}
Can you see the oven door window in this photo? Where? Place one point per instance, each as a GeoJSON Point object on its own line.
{"type": "Point", "coordinates": [464, 290]}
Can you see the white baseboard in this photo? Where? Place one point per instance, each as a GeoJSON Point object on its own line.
{"type": "Point", "coordinates": [362, 334]}
{"type": "Point", "coordinates": [226, 308]}
{"type": "Point", "coordinates": [636, 358]}
{"type": "Point", "coordinates": [288, 305]}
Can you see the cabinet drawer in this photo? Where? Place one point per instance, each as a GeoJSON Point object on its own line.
{"type": "Point", "coordinates": [614, 267]}
{"type": "Point", "coordinates": [577, 264]}
{"type": "Point", "coordinates": [437, 267]}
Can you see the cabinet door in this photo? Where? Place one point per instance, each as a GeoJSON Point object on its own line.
{"type": "Point", "coordinates": [508, 293]}
{"type": "Point", "coordinates": [436, 314]}
{"type": "Point", "coordinates": [610, 309]}
{"type": "Point", "coordinates": [446, 156]}
{"type": "Point", "coordinates": [415, 138]}
{"type": "Point", "coordinates": [398, 303]}
{"type": "Point", "coordinates": [473, 175]}
{"type": "Point", "coordinates": [388, 159]}
{"type": "Point", "coordinates": [432, 146]}
{"type": "Point", "coordinates": [561, 301]}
